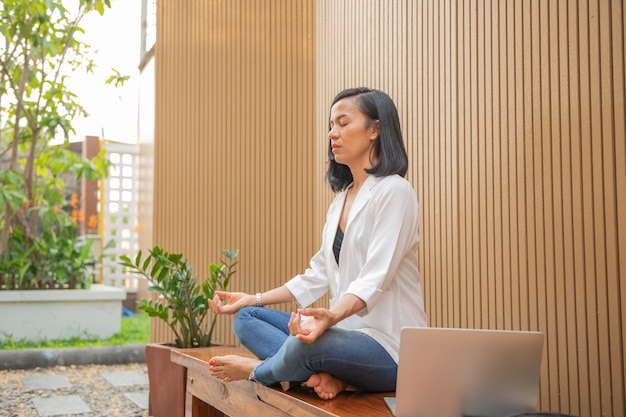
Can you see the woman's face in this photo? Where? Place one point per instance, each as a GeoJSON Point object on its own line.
{"type": "Point", "coordinates": [352, 134]}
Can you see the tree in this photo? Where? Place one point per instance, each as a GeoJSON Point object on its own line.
{"type": "Point", "coordinates": [39, 47]}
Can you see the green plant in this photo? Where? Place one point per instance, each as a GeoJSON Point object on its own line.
{"type": "Point", "coordinates": [182, 302]}
{"type": "Point", "coordinates": [56, 257]}
{"type": "Point", "coordinates": [41, 46]}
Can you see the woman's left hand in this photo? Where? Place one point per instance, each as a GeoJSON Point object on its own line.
{"type": "Point", "coordinates": [316, 321]}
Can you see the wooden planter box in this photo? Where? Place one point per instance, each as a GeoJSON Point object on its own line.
{"type": "Point", "coordinates": [61, 314]}
{"type": "Point", "coordinates": [168, 382]}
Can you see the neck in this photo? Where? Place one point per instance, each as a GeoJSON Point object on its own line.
{"type": "Point", "coordinates": [358, 172]}
{"type": "Point", "coordinates": [359, 180]}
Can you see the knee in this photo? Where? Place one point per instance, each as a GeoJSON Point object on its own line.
{"type": "Point", "coordinates": [300, 349]}
{"type": "Point", "coordinates": [242, 319]}
{"type": "Point", "coordinates": [244, 313]}
{"type": "Point", "coordinates": [302, 355]}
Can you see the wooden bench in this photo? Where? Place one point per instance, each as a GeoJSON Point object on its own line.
{"type": "Point", "coordinates": [209, 397]}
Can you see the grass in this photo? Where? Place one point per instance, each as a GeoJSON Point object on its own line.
{"type": "Point", "coordinates": [135, 330]}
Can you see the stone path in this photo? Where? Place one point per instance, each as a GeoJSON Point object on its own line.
{"type": "Point", "coordinates": [87, 391]}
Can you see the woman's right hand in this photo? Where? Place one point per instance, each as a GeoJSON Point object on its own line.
{"type": "Point", "coordinates": [230, 302]}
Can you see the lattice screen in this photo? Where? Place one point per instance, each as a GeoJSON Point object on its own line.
{"type": "Point", "coordinates": [119, 213]}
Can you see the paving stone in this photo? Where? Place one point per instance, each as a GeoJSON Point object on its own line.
{"type": "Point", "coordinates": [45, 382]}
{"type": "Point", "coordinates": [139, 398]}
{"type": "Point", "coordinates": [60, 406]}
{"type": "Point", "coordinates": [101, 397]}
{"type": "Point", "coordinates": [120, 379]}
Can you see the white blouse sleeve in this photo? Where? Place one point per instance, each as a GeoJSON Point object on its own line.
{"type": "Point", "coordinates": [312, 284]}
{"type": "Point", "coordinates": [394, 232]}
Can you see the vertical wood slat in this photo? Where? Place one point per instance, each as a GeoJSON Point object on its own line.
{"type": "Point", "coordinates": [565, 261]}
{"type": "Point", "coordinates": [606, 171]}
{"type": "Point", "coordinates": [618, 290]}
{"type": "Point", "coordinates": [513, 114]}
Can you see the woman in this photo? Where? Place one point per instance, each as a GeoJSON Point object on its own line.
{"type": "Point", "coordinates": [367, 261]}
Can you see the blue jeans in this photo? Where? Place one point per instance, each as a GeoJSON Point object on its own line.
{"type": "Point", "coordinates": [349, 355]}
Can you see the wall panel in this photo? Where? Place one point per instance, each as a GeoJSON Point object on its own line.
{"type": "Point", "coordinates": [234, 145]}
{"type": "Point", "coordinates": [513, 113]}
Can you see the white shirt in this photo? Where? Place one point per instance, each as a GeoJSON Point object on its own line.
{"type": "Point", "coordinates": [378, 261]}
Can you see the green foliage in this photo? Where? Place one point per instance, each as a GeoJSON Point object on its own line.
{"type": "Point", "coordinates": [182, 302]}
{"type": "Point", "coordinates": [41, 46]}
{"type": "Point", "coordinates": [11, 189]}
{"type": "Point", "coordinates": [43, 249]}
{"type": "Point", "coordinates": [117, 78]}
{"type": "Point", "coordinates": [58, 258]}
{"type": "Point", "coordinates": [135, 330]}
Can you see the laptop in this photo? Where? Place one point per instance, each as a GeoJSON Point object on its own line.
{"type": "Point", "coordinates": [446, 372]}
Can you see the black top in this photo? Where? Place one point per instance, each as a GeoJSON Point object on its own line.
{"type": "Point", "coordinates": [337, 244]}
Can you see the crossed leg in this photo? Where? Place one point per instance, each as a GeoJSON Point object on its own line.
{"type": "Point", "coordinates": [233, 368]}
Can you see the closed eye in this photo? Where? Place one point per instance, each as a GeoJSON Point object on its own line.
{"type": "Point", "coordinates": [341, 120]}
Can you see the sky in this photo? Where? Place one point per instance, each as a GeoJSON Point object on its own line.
{"type": "Point", "coordinates": [116, 36]}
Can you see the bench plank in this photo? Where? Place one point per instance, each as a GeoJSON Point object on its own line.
{"type": "Point", "coordinates": [246, 398]}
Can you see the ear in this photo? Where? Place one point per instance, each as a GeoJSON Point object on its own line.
{"type": "Point", "coordinates": [374, 130]}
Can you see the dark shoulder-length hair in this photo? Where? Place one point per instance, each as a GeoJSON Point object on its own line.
{"type": "Point", "coordinates": [388, 149]}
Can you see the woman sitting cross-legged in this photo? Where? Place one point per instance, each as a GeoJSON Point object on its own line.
{"type": "Point", "coordinates": [367, 261]}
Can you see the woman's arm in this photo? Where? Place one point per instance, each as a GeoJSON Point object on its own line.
{"type": "Point", "coordinates": [276, 296]}
{"type": "Point", "coordinates": [230, 302]}
{"type": "Point", "coordinates": [348, 305]}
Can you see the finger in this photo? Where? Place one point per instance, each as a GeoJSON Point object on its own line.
{"type": "Point", "coordinates": [306, 338]}
{"type": "Point", "coordinates": [215, 304]}
{"type": "Point", "coordinates": [311, 312]}
{"type": "Point", "coordinates": [294, 324]}
{"type": "Point", "coordinates": [222, 294]}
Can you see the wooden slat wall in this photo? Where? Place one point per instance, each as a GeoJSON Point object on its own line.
{"type": "Point", "coordinates": [234, 145]}
{"type": "Point", "coordinates": [513, 113]}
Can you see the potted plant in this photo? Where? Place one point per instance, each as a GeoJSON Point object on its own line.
{"type": "Point", "coordinates": [182, 303]}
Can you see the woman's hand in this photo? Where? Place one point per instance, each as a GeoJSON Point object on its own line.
{"type": "Point", "coordinates": [230, 302]}
{"type": "Point", "coordinates": [316, 321]}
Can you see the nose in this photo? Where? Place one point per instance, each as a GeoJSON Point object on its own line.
{"type": "Point", "coordinates": [333, 134]}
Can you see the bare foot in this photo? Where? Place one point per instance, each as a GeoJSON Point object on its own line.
{"type": "Point", "coordinates": [325, 385]}
{"type": "Point", "coordinates": [232, 367]}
